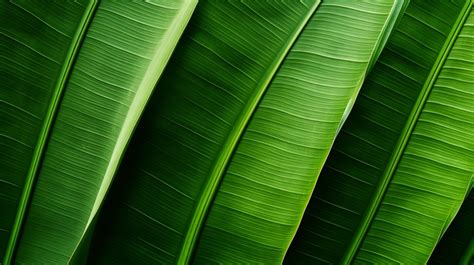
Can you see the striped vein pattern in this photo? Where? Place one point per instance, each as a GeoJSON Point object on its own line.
{"type": "Point", "coordinates": [275, 166]}
{"type": "Point", "coordinates": [226, 51]}
{"type": "Point", "coordinates": [110, 67]}
{"type": "Point", "coordinates": [435, 171]}
{"type": "Point", "coordinates": [34, 43]}
{"type": "Point", "coordinates": [367, 140]}
{"type": "Point", "coordinates": [454, 245]}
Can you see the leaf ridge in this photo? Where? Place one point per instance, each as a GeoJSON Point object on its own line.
{"type": "Point", "coordinates": [209, 191]}
{"type": "Point", "coordinates": [47, 124]}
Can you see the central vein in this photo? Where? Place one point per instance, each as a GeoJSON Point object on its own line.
{"type": "Point", "coordinates": [210, 187]}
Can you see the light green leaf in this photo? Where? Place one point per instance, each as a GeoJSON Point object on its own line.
{"type": "Point", "coordinates": [120, 61]}
{"type": "Point", "coordinates": [215, 173]}
{"type": "Point", "coordinates": [38, 49]}
{"type": "Point", "coordinates": [395, 176]}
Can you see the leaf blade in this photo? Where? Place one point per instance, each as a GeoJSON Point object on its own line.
{"type": "Point", "coordinates": [116, 70]}
{"type": "Point", "coordinates": [59, 42]}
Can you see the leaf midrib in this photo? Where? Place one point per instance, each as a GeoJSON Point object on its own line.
{"type": "Point", "coordinates": [46, 128]}
{"type": "Point", "coordinates": [209, 190]}
{"type": "Point", "coordinates": [405, 135]}
{"type": "Point", "coordinates": [157, 64]}
{"type": "Point", "coordinates": [393, 17]}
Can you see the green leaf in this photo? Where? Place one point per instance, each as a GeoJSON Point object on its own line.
{"type": "Point", "coordinates": [387, 190]}
{"type": "Point", "coordinates": [398, 9]}
{"type": "Point", "coordinates": [38, 49]}
{"type": "Point", "coordinates": [120, 61]}
{"type": "Point", "coordinates": [230, 146]}
{"type": "Point", "coordinates": [468, 255]}
{"type": "Point", "coordinates": [456, 245]}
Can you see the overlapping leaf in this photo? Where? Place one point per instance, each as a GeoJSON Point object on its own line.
{"type": "Point", "coordinates": [226, 158]}
{"type": "Point", "coordinates": [187, 140]}
{"type": "Point", "coordinates": [457, 244]}
{"type": "Point", "coordinates": [123, 54]}
{"type": "Point", "coordinates": [427, 170]}
{"type": "Point", "coordinates": [435, 170]}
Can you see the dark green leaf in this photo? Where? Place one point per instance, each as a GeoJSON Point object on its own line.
{"type": "Point", "coordinates": [38, 46]}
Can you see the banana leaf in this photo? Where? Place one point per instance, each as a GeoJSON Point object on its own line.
{"type": "Point", "coordinates": [228, 151]}
{"type": "Point", "coordinates": [456, 246]}
{"type": "Point", "coordinates": [38, 47]}
{"type": "Point", "coordinates": [402, 163]}
{"type": "Point", "coordinates": [120, 60]}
